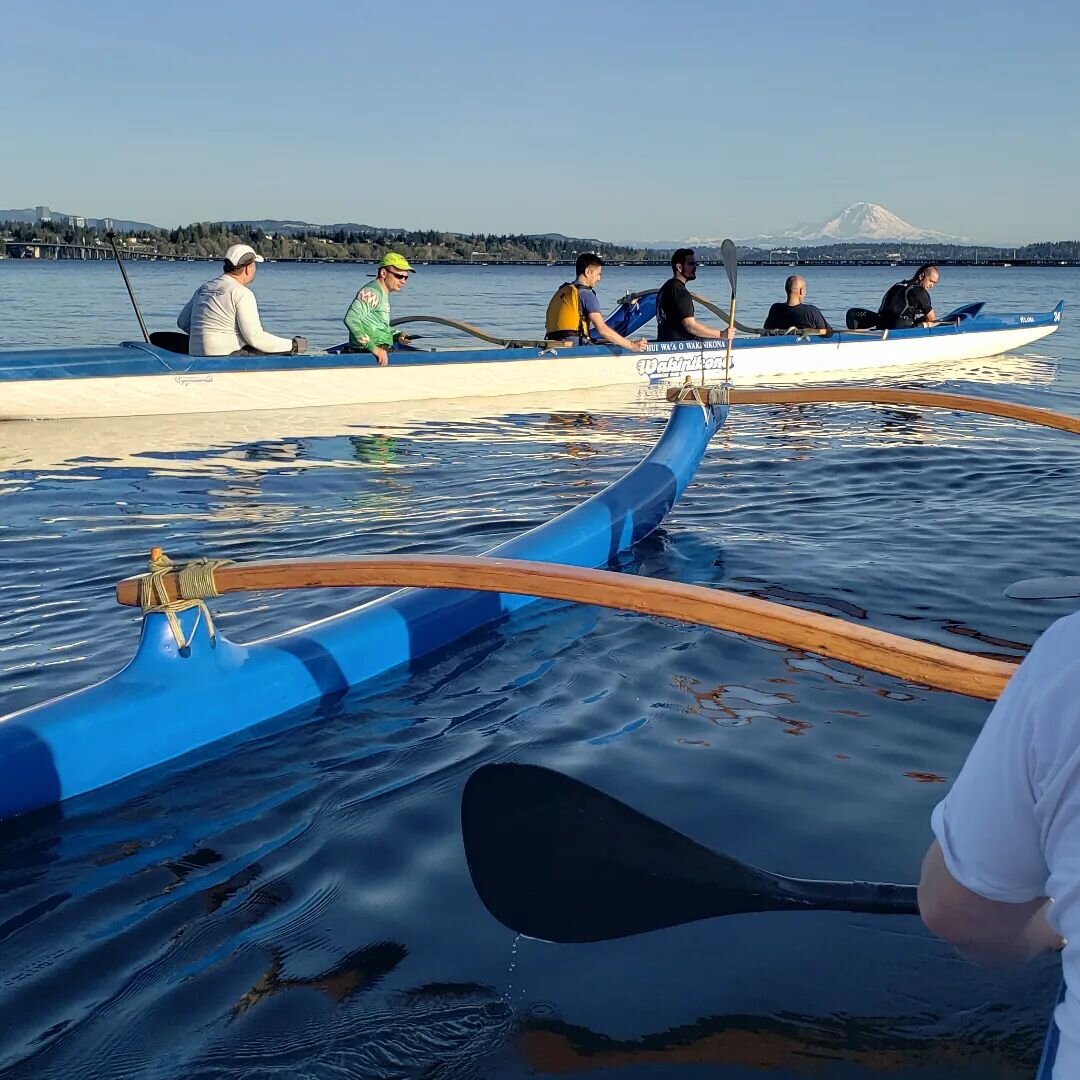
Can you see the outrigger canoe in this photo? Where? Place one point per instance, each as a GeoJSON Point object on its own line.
{"type": "Point", "coordinates": [179, 694]}
{"type": "Point", "coordinates": [144, 379]}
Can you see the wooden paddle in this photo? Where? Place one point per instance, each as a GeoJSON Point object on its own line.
{"type": "Point", "coordinates": [731, 267]}
{"type": "Point", "coordinates": [914, 661]}
{"type": "Point", "coordinates": [558, 860]}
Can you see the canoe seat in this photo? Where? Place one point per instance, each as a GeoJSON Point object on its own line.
{"type": "Point", "coordinates": [171, 340]}
{"type": "Point", "coordinates": [860, 318]}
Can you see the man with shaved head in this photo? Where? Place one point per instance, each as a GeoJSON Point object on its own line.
{"type": "Point", "coordinates": [793, 314]}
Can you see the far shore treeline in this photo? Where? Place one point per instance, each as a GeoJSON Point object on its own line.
{"type": "Point", "coordinates": [207, 240]}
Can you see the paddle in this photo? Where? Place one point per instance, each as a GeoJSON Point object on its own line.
{"type": "Point", "coordinates": [1044, 588]}
{"type": "Point", "coordinates": [555, 859]}
{"type": "Point", "coordinates": [731, 267]}
{"type": "Point", "coordinates": [111, 237]}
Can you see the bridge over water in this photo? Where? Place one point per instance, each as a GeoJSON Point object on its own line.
{"type": "Point", "coordinates": [39, 249]}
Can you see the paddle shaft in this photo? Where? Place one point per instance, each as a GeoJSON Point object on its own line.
{"type": "Point", "coordinates": [130, 290]}
{"type": "Point", "coordinates": [870, 897]}
{"type": "Point", "coordinates": [731, 268]}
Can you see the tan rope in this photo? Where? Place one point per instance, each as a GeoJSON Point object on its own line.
{"type": "Point", "coordinates": [191, 584]}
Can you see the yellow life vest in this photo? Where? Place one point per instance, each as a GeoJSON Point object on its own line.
{"type": "Point", "coordinates": [564, 313]}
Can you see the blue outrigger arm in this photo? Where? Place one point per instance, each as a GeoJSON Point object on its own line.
{"type": "Point", "coordinates": [168, 702]}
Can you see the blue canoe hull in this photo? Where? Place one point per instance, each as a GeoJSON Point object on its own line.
{"type": "Point", "coordinates": [136, 379]}
{"type": "Point", "coordinates": [164, 704]}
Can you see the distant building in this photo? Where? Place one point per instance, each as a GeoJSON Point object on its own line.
{"type": "Point", "coordinates": [43, 213]}
{"type": "Point", "coordinates": [107, 224]}
{"type": "Point", "coordinates": [78, 221]}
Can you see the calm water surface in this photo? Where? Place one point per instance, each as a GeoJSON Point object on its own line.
{"type": "Point", "coordinates": [299, 906]}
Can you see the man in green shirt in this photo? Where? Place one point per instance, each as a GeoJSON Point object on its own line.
{"type": "Point", "coordinates": [368, 317]}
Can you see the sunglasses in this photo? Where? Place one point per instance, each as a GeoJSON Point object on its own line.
{"type": "Point", "coordinates": [400, 277]}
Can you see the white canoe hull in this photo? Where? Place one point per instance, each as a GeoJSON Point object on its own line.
{"type": "Point", "coordinates": [309, 381]}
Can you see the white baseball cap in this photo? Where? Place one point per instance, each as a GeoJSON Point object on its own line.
{"type": "Point", "coordinates": [241, 255]}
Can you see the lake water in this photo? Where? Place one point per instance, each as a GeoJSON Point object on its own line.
{"type": "Point", "coordinates": [300, 905]}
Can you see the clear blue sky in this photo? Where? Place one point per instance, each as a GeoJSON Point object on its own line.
{"type": "Point", "coordinates": [619, 119]}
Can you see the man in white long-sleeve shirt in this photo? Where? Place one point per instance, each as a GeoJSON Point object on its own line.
{"type": "Point", "coordinates": [222, 318]}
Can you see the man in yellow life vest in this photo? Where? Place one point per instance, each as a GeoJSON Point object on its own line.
{"type": "Point", "coordinates": [574, 310]}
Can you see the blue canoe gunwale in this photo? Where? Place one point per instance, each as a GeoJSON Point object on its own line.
{"type": "Point", "coordinates": [165, 704]}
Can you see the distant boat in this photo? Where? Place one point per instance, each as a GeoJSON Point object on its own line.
{"type": "Point", "coordinates": [138, 379]}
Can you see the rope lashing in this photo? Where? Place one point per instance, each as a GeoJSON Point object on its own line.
{"type": "Point", "coordinates": [194, 583]}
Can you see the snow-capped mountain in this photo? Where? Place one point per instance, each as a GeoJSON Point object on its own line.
{"type": "Point", "coordinates": [861, 222]}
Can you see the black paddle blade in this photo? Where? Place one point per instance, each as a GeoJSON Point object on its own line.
{"type": "Point", "coordinates": [731, 264]}
{"type": "Point", "coordinates": [1044, 588]}
{"type": "Point", "coordinates": [558, 860]}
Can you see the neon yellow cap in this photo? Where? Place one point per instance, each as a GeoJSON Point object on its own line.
{"type": "Point", "coordinates": [396, 262]}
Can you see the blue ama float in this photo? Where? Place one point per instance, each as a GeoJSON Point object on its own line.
{"type": "Point", "coordinates": [171, 700]}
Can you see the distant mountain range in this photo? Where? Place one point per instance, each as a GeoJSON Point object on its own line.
{"type": "Point", "coordinates": [284, 227]}
{"type": "Point", "coordinates": [30, 214]}
{"type": "Point", "coordinates": [861, 222]}
{"type": "Point", "coordinates": [291, 228]}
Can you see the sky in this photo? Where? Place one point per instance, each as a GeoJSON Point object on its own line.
{"type": "Point", "coordinates": [622, 120]}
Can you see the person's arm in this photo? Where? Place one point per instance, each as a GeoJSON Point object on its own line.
{"type": "Point", "coordinates": [250, 327]}
{"type": "Point", "coordinates": [597, 322]}
{"type": "Point", "coordinates": [988, 932]}
{"type": "Point", "coordinates": [984, 880]}
{"type": "Point", "coordinates": [700, 330]}
{"type": "Point", "coordinates": [183, 320]}
{"type": "Point", "coordinates": [926, 306]}
{"type": "Point", "coordinates": [819, 320]}
{"type": "Point", "coordinates": [685, 311]}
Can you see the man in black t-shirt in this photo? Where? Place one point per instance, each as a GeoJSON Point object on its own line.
{"type": "Point", "coordinates": [907, 303]}
{"type": "Point", "coordinates": [675, 310]}
{"type": "Point", "coordinates": [794, 314]}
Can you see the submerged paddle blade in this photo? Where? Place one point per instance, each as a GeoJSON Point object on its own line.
{"type": "Point", "coordinates": [1044, 588]}
{"type": "Point", "coordinates": [731, 264]}
{"type": "Point", "coordinates": [558, 860]}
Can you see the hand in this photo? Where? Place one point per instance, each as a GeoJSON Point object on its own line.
{"type": "Point", "coordinates": [380, 354]}
{"type": "Point", "coordinates": [299, 345]}
{"type": "Point", "coordinates": [730, 333]}
{"type": "Point", "coordinates": [402, 339]}
{"type": "Point", "coordinates": [640, 345]}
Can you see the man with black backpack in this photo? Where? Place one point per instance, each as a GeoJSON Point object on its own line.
{"type": "Point", "coordinates": [907, 303]}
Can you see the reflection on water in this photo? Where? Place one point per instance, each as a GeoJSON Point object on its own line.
{"type": "Point", "coordinates": [795, 1045]}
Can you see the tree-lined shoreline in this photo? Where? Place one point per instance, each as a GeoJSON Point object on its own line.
{"type": "Point", "coordinates": [207, 240]}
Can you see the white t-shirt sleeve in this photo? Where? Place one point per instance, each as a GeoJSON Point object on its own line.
{"type": "Point", "coordinates": [250, 327]}
{"type": "Point", "coordinates": [987, 826]}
